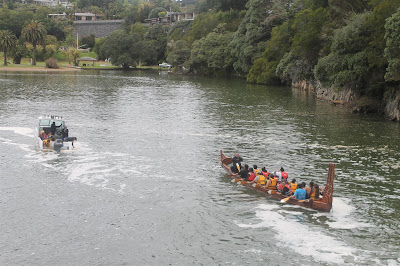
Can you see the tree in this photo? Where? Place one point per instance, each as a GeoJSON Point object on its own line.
{"type": "Point", "coordinates": [7, 42]}
{"type": "Point", "coordinates": [392, 49]}
{"type": "Point", "coordinates": [72, 54]}
{"type": "Point", "coordinates": [88, 41]}
{"type": "Point", "coordinates": [179, 52]}
{"type": "Point", "coordinates": [125, 50]}
{"type": "Point", "coordinates": [19, 51]}
{"type": "Point", "coordinates": [211, 54]}
{"type": "Point", "coordinates": [250, 39]}
{"type": "Point", "coordinates": [158, 38]}
{"type": "Point", "coordinates": [35, 34]}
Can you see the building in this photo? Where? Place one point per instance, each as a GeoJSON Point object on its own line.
{"type": "Point", "coordinates": [76, 17]}
{"type": "Point", "coordinates": [52, 3]}
{"type": "Point", "coordinates": [171, 18]}
{"type": "Point", "coordinates": [85, 17]}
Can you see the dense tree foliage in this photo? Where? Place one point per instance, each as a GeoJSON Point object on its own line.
{"type": "Point", "coordinates": [392, 50]}
{"type": "Point", "coordinates": [35, 34]}
{"type": "Point", "coordinates": [342, 44]}
{"type": "Point", "coordinates": [8, 41]}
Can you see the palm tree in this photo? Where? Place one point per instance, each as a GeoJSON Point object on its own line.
{"type": "Point", "coordinates": [8, 41]}
{"type": "Point", "coordinates": [35, 33]}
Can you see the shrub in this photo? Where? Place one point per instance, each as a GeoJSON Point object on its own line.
{"type": "Point", "coordinates": [51, 63]}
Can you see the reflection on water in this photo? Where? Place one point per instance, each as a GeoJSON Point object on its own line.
{"type": "Point", "coordinates": [146, 177]}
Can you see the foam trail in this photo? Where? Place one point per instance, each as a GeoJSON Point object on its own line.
{"type": "Point", "coordinates": [25, 131]}
{"type": "Point", "coordinates": [320, 246]}
{"type": "Point", "coordinates": [340, 215]}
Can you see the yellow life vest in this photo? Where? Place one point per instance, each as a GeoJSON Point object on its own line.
{"type": "Point", "coordinates": [312, 194]}
{"type": "Point", "coordinates": [293, 187]}
{"type": "Point", "coordinates": [261, 180]}
{"type": "Point", "coordinates": [273, 184]}
{"type": "Point", "coordinates": [256, 171]}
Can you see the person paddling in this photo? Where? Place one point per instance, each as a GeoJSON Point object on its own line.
{"type": "Point", "coordinates": [300, 193]}
{"type": "Point", "coordinates": [252, 175]}
{"type": "Point", "coordinates": [314, 192]}
{"type": "Point", "coordinates": [293, 185]}
{"type": "Point", "coordinates": [244, 172]}
{"type": "Point", "coordinates": [284, 174]}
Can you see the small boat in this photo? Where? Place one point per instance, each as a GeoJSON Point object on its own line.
{"type": "Point", "coordinates": [323, 204]}
{"type": "Point", "coordinates": [59, 141]}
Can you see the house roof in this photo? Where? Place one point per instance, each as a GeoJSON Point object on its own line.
{"type": "Point", "coordinates": [87, 58]}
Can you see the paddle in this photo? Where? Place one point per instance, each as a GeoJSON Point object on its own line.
{"type": "Point", "coordinates": [238, 167]}
{"type": "Point", "coordinates": [285, 199]}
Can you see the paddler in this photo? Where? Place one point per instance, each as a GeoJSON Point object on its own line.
{"type": "Point", "coordinates": [293, 185]}
{"type": "Point", "coordinates": [256, 170]}
{"type": "Point", "coordinates": [265, 172]}
{"type": "Point", "coordinates": [252, 175]}
{"type": "Point", "coordinates": [300, 193]}
{"type": "Point", "coordinates": [260, 179]}
{"type": "Point", "coordinates": [236, 160]}
{"type": "Point", "coordinates": [284, 174]}
{"type": "Point", "coordinates": [272, 182]}
{"type": "Point", "coordinates": [244, 172]}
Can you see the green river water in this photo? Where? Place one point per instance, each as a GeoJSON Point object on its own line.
{"type": "Point", "coordinates": [145, 186]}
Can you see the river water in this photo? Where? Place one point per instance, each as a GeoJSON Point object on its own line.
{"type": "Point", "coordinates": [145, 187]}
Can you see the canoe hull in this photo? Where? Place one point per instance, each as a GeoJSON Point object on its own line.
{"type": "Point", "coordinates": [324, 204]}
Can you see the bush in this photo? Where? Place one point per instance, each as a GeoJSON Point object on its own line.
{"type": "Point", "coordinates": [51, 63]}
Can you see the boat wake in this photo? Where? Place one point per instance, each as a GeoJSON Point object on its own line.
{"type": "Point", "coordinates": [293, 232]}
{"type": "Point", "coordinates": [103, 170]}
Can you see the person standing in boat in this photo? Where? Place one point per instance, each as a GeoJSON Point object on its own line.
{"type": "Point", "coordinates": [65, 133]}
{"type": "Point", "coordinates": [236, 160]}
{"type": "Point", "coordinates": [53, 128]}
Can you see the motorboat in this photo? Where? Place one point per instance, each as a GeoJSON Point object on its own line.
{"type": "Point", "coordinates": [53, 137]}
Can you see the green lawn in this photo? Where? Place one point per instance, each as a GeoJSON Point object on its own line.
{"type": "Point", "coordinates": [62, 62]}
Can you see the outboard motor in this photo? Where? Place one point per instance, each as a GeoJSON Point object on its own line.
{"type": "Point", "coordinates": [58, 145]}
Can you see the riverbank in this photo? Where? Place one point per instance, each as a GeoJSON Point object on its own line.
{"type": "Point", "coordinates": [389, 106]}
{"type": "Point", "coordinates": [37, 69]}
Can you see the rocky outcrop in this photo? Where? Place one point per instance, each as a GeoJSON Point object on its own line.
{"type": "Point", "coordinates": [390, 105]}
{"type": "Point", "coordinates": [391, 102]}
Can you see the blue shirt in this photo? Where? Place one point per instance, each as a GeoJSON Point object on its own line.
{"type": "Point", "coordinates": [300, 194]}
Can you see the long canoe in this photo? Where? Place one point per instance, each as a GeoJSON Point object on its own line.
{"type": "Point", "coordinates": [323, 204]}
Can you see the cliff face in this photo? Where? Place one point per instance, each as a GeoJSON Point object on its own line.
{"type": "Point", "coordinates": [390, 106]}
{"type": "Point", "coordinates": [391, 103]}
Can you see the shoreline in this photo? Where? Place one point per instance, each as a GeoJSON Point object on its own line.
{"type": "Point", "coordinates": [37, 69]}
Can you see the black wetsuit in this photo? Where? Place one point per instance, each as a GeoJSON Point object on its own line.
{"type": "Point", "coordinates": [53, 129]}
{"type": "Point", "coordinates": [244, 173]}
{"type": "Point", "coordinates": [236, 160]}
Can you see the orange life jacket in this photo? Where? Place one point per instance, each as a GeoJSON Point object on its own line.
{"type": "Point", "coordinates": [266, 174]}
{"type": "Point", "coordinates": [284, 175]}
